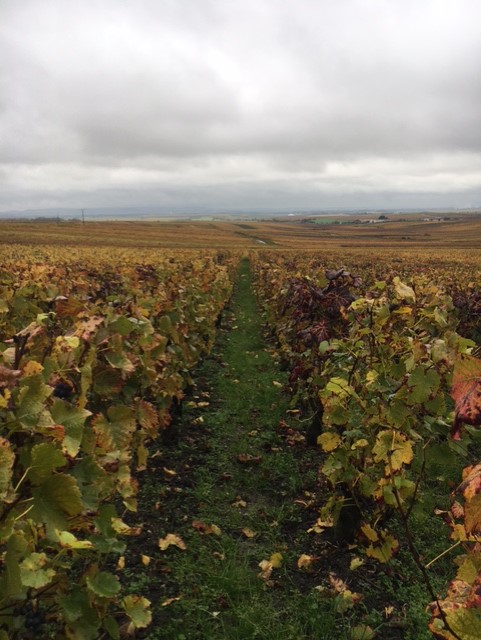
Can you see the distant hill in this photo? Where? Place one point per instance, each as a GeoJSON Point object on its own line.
{"type": "Point", "coordinates": [156, 213]}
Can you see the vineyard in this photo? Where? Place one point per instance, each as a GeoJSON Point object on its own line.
{"type": "Point", "coordinates": [313, 457]}
{"type": "Point", "coordinates": [93, 359]}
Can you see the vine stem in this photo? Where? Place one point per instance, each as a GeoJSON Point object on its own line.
{"type": "Point", "coordinates": [418, 481]}
{"type": "Point", "coordinates": [441, 555]}
{"type": "Point", "coordinates": [416, 556]}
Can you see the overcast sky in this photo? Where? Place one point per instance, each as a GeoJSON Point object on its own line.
{"type": "Point", "coordinates": [240, 103]}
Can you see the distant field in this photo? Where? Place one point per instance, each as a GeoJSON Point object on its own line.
{"type": "Point", "coordinates": [463, 232]}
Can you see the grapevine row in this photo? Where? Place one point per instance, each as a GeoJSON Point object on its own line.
{"type": "Point", "coordinates": [371, 359]}
{"type": "Point", "coordinates": [92, 358]}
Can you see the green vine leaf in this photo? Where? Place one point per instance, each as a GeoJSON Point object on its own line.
{"type": "Point", "coordinates": [73, 419]}
{"type": "Point", "coordinates": [33, 571]}
{"type": "Point", "coordinates": [56, 500]}
{"type": "Point", "coordinates": [45, 458]}
{"type": "Point", "coordinates": [7, 458]}
{"type": "Point", "coordinates": [466, 623]}
{"type": "Point", "coordinates": [104, 584]}
{"type": "Point", "coordinates": [137, 609]}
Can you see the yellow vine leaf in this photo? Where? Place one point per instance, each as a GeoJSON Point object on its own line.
{"type": "Point", "coordinates": [171, 539]}
{"type": "Point", "coordinates": [392, 448]}
{"type": "Point", "coordinates": [329, 441]}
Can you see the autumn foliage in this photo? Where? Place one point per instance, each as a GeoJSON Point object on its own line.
{"type": "Point", "coordinates": [95, 348]}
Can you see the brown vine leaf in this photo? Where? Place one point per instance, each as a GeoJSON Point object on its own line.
{"type": "Point", "coordinates": [247, 458]}
{"type": "Point", "coordinates": [466, 393]}
{"type": "Point", "coordinates": [471, 484]}
{"type": "Point", "coordinates": [8, 377]}
{"type": "Point", "coordinates": [206, 529]}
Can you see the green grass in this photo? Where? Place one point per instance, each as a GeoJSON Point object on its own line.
{"type": "Point", "coordinates": [216, 578]}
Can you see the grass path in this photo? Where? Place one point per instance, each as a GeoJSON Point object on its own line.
{"type": "Point", "coordinates": [234, 491]}
{"type": "Point", "coordinates": [232, 470]}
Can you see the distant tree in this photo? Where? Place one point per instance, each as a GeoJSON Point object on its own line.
{"type": "Point", "coordinates": [382, 217]}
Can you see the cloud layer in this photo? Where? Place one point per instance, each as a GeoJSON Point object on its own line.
{"type": "Point", "coordinates": [260, 103]}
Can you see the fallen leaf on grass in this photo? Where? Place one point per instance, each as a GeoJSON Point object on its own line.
{"type": "Point", "coordinates": [320, 525]}
{"type": "Point", "coordinates": [145, 560]}
{"type": "Point", "coordinates": [247, 458]}
{"type": "Point", "coordinates": [356, 563]}
{"type": "Point", "coordinates": [206, 529]}
{"type": "Point", "coordinates": [267, 566]}
{"type": "Point", "coordinates": [337, 583]}
{"type": "Point", "coordinates": [170, 601]}
{"type": "Point", "coordinates": [362, 632]}
{"type": "Point", "coordinates": [305, 561]}
{"type": "Point", "coordinates": [347, 598]}
{"type": "Point", "coordinates": [248, 533]}
{"type": "Point", "coordinates": [239, 503]}
{"type": "Point", "coordinates": [171, 540]}
{"type": "Point", "coordinates": [169, 473]}
{"type": "Point", "coordinates": [279, 385]}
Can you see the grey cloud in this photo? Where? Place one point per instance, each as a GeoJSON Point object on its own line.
{"type": "Point", "coordinates": [112, 98]}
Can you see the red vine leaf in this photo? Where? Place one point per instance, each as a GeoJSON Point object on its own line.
{"type": "Point", "coordinates": [466, 393]}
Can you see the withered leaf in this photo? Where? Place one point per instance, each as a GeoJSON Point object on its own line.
{"type": "Point", "coordinates": [247, 458]}
{"type": "Point", "coordinates": [466, 393]}
{"type": "Point", "coordinates": [206, 529]}
{"type": "Point", "coordinates": [471, 484]}
{"type": "Point", "coordinates": [8, 377]}
{"type": "Point", "coordinates": [171, 540]}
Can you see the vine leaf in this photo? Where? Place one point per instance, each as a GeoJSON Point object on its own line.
{"type": "Point", "coordinates": [137, 608]}
{"type": "Point", "coordinates": [104, 584]}
{"type": "Point", "coordinates": [31, 399]}
{"type": "Point", "coordinates": [329, 441]}
{"type": "Point", "coordinates": [7, 458]}
{"type": "Point", "coordinates": [466, 623]}
{"type": "Point", "coordinates": [68, 541]}
{"type": "Point", "coordinates": [403, 291]}
{"type": "Point", "coordinates": [466, 393]}
{"type": "Point", "coordinates": [114, 431]}
{"type": "Point", "coordinates": [267, 566]}
{"type": "Point", "coordinates": [33, 572]}
{"type": "Point", "coordinates": [73, 419]}
{"type": "Point", "coordinates": [45, 459]}
{"type": "Point", "coordinates": [472, 515]}
{"type": "Point", "coordinates": [8, 377]}
{"type": "Point", "coordinates": [394, 449]}
{"type": "Point", "coordinates": [171, 539]}
{"type": "Point", "coordinates": [471, 484]}
{"type": "Point", "coordinates": [57, 499]}
{"type": "Point", "coordinates": [382, 547]}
